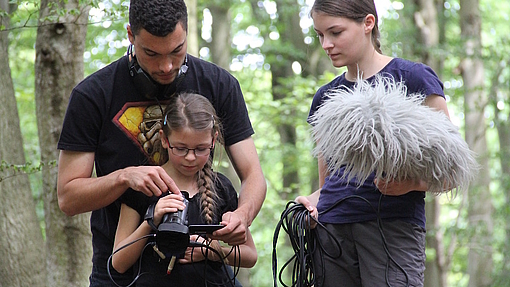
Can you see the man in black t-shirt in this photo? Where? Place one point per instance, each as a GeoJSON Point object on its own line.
{"type": "Point", "coordinates": [112, 120]}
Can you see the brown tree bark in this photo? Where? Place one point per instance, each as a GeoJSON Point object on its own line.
{"type": "Point", "coordinates": [426, 21]}
{"type": "Point", "coordinates": [221, 40]}
{"type": "Point", "coordinates": [21, 241]}
{"type": "Point", "coordinates": [60, 45]}
{"type": "Point", "coordinates": [291, 37]}
{"type": "Point", "coordinates": [480, 206]}
{"type": "Point", "coordinates": [503, 127]}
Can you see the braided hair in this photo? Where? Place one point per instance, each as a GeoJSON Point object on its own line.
{"type": "Point", "coordinates": [194, 111]}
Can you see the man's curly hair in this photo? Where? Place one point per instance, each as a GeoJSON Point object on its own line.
{"type": "Point", "coordinates": [158, 17]}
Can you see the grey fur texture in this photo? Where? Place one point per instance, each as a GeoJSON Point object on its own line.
{"type": "Point", "coordinates": [376, 128]}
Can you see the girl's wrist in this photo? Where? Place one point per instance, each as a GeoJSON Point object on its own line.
{"type": "Point", "coordinates": [219, 255]}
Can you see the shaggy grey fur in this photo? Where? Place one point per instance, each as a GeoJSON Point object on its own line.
{"type": "Point", "coordinates": [376, 128]}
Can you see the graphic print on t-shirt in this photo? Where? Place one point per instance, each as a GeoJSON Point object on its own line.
{"type": "Point", "coordinates": [141, 122]}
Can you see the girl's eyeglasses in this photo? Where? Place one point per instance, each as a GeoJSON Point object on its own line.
{"type": "Point", "coordinates": [183, 151]}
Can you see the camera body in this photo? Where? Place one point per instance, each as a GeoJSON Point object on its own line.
{"type": "Point", "coordinates": [172, 236]}
{"type": "Point", "coordinates": [173, 233]}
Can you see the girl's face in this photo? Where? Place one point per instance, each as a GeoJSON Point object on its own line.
{"type": "Point", "coordinates": [191, 141]}
{"type": "Point", "coordinates": [344, 40]}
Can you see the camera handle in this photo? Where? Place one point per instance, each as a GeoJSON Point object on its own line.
{"type": "Point", "coordinates": [149, 216]}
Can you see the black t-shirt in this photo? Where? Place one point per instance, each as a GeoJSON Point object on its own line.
{"type": "Point", "coordinates": [192, 275]}
{"type": "Point", "coordinates": [108, 116]}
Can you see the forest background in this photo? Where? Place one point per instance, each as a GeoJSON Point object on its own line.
{"type": "Point", "coordinates": [47, 47]}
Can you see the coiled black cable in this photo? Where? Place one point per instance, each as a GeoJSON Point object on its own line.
{"type": "Point", "coordinates": [296, 221]}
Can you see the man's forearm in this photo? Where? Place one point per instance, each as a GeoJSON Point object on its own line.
{"type": "Point", "coordinates": [251, 198]}
{"type": "Point", "coordinates": [87, 194]}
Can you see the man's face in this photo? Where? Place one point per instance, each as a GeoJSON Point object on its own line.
{"type": "Point", "coordinates": [160, 57]}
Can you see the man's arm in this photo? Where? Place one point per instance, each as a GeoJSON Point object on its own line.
{"type": "Point", "coordinates": [245, 160]}
{"type": "Point", "coordinates": [79, 192]}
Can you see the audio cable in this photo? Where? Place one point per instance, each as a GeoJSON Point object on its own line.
{"type": "Point", "coordinates": [296, 222]}
{"type": "Point", "coordinates": [194, 244]}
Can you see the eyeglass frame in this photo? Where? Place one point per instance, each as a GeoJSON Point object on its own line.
{"type": "Point", "coordinates": [193, 149]}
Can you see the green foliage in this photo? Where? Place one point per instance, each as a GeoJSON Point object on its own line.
{"type": "Point", "coordinates": [107, 41]}
{"type": "Point", "coordinates": [106, 34]}
{"type": "Point", "coordinates": [23, 14]}
{"type": "Point", "coordinates": [265, 114]}
{"type": "Point", "coordinates": [8, 170]}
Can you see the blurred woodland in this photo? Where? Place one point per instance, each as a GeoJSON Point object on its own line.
{"type": "Point", "coordinates": [48, 46]}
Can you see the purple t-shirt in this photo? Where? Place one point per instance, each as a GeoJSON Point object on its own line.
{"type": "Point", "coordinates": [343, 201]}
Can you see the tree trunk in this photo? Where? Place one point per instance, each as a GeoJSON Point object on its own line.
{"type": "Point", "coordinates": [221, 56]}
{"type": "Point", "coordinates": [426, 21]}
{"type": "Point", "coordinates": [281, 69]}
{"type": "Point", "coordinates": [21, 241]}
{"type": "Point", "coordinates": [502, 123]}
{"type": "Point", "coordinates": [503, 128]}
{"type": "Point", "coordinates": [192, 38]}
{"type": "Point", "coordinates": [60, 45]}
{"type": "Point", "coordinates": [480, 206]}
{"type": "Point", "coordinates": [435, 267]}
{"type": "Point", "coordinates": [221, 40]}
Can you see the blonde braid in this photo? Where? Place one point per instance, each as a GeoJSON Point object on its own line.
{"type": "Point", "coordinates": [209, 202]}
{"type": "Point", "coordinates": [207, 192]}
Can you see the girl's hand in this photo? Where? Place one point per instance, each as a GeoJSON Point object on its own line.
{"type": "Point", "coordinates": [196, 254]}
{"type": "Point", "coordinates": [396, 188]}
{"type": "Point", "coordinates": [168, 204]}
{"type": "Point", "coordinates": [312, 209]}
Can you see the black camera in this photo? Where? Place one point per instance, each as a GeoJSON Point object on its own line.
{"type": "Point", "coordinates": [172, 234]}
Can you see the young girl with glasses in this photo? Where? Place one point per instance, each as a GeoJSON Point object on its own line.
{"type": "Point", "coordinates": [190, 131]}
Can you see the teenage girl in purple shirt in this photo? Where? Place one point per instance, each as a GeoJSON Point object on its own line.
{"type": "Point", "coordinates": [349, 34]}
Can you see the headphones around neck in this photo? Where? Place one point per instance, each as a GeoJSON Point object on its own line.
{"type": "Point", "coordinates": [146, 85]}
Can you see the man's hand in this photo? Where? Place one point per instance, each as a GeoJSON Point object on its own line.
{"type": "Point", "coordinates": [235, 230]}
{"type": "Point", "coordinates": [79, 192]}
{"type": "Point", "coordinates": [151, 180]}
